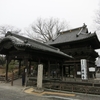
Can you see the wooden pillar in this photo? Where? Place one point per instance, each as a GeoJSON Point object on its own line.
{"type": "Point", "coordinates": [62, 71]}
{"type": "Point", "coordinates": [29, 67]}
{"type": "Point", "coordinates": [74, 69]}
{"type": "Point", "coordinates": [26, 70]}
{"type": "Point", "coordinates": [88, 75]}
{"type": "Point", "coordinates": [26, 64]}
{"type": "Point", "coordinates": [39, 61]}
{"type": "Point", "coordinates": [7, 64]}
{"type": "Point", "coordinates": [48, 69]}
{"type": "Point", "coordinates": [19, 68]}
{"type": "Point", "coordinates": [7, 70]}
{"type": "Point", "coordinates": [69, 71]}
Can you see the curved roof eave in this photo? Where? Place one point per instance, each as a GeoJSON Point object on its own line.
{"type": "Point", "coordinates": [33, 45]}
{"type": "Point", "coordinates": [82, 39]}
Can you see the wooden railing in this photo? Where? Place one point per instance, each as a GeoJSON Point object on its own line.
{"type": "Point", "coordinates": [2, 77]}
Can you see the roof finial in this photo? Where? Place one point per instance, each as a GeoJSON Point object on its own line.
{"type": "Point", "coordinates": [8, 33]}
{"type": "Point", "coordinates": [26, 41]}
{"type": "Point", "coordinates": [84, 25]}
{"type": "Point", "coordinates": [94, 32]}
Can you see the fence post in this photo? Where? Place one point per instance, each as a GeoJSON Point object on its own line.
{"type": "Point", "coordinates": [72, 87]}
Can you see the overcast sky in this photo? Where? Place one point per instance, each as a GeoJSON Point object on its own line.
{"type": "Point", "coordinates": [22, 13]}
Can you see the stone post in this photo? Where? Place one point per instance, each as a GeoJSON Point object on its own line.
{"type": "Point", "coordinates": [40, 77]}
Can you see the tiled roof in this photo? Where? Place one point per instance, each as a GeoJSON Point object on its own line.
{"type": "Point", "coordinates": [21, 41]}
{"type": "Point", "coordinates": [77, 34]}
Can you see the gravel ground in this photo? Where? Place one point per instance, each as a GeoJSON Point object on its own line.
{"type": "Point", "coordinates": [8, 92]}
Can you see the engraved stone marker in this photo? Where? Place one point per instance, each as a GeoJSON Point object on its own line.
{"type": "Point", "coordinates": [40, 76]}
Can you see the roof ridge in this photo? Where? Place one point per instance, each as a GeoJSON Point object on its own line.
{"type": "Point", "coordinates": [84, 26]}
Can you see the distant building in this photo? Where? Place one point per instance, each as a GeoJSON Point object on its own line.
{"type": "Point", "coordinates": [98, 62]}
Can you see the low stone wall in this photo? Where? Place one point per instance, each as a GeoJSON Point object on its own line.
{"type": "Point", "coordinates": [89, 86]}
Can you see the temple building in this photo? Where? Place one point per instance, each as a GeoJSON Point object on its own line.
{"type": "Point", "coordinates": [71, 54]}
{"type": "Point", "coordinates": [26, 50]}
{"type": "Point", "coordinates": [80, 44]}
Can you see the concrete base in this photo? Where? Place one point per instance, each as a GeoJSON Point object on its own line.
{"type": "Point", "coordinates": [38, 90]}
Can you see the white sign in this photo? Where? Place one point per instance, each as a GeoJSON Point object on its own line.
{"type": "Point", "coordinates": [91, 69]}
{"type": "Point", "coordinates": [78, 73]}
{"type": "Point", "coordinates": [25, 70]}
{"type": "Point", "coordinates": [83, 69]}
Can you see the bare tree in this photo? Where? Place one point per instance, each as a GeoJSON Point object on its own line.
{"type": "Point", "coordinates": [97, 19]}
{"type": "Point", "coordinates": [5, 28]}
{"type": "Point", "coordinates": [47, 29]}
{"type": "Point", "coordinates": [3, 31]}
